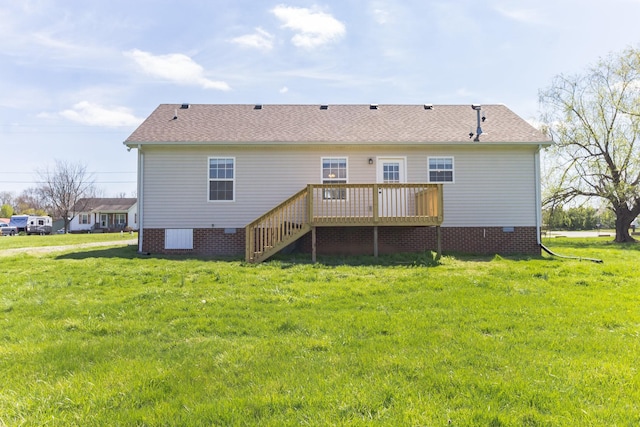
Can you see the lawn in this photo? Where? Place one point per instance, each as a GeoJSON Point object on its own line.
{"type": "Point", "coordinates": [14, 242]}
{"type": "Point", "coordinates": [105, 336]}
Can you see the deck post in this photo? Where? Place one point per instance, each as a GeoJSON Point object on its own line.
{"type": "Point", "coordinates": [375, 206]}
{"type": "Point", "coordinates": [313, 244]}
{"type": "Point", "coordinates": [375, 241]}
{"type": "Point", "coordinates": [438, 242]}
{"type": "Point", "coordinates": [310, 202]}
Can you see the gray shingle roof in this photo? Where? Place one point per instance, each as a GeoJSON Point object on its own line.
{"type": "Point", "coordinates": [337, 124]}
{"type": "Point", "coordinates": [105, 204]}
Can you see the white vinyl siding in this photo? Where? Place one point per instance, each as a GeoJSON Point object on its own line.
{"type": "Point", "coordinates": [132, 216]}
{"type": "Point", "coordinates": [494, 186]}
{"type": "Point", "coordinates": [77, 224]}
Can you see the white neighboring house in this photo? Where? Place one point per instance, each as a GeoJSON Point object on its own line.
{"type": "Point", "coordinates": [105, 215]}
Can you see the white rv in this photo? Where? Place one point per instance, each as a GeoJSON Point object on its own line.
{"type": "Point", "coordinates": [32, 224]}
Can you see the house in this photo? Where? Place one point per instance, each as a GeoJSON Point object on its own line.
{"type": "Point", "coordinates": [104, 215]}
{"type": "Point", "coordinates": [223, 180]}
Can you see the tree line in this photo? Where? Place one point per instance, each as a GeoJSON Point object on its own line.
{"type": "Point", "coordinates": [577, 218]}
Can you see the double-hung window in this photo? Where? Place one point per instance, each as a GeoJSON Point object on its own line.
{"type": "Point", "coordinates": [83, 218]}
{"type": "Point", "coordinates": [222, 178]}
{"type": "Point", "coordinates": [440, 169]}
{"type": "Point", "coordinates": [121, 220]}
{"type": "Point", "coordinates": [334, 171]}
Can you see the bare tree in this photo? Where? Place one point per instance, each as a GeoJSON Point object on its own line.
{"type": "Point", "coordinates": [65, 187]}
{"type": "Point", "coordinates": [595, 122]}
{"type": "Point", "coordinates": [31, 201]}
{"type": "Point", "coordinates": [6, 204]}
{"type": "Point", "coordinates": [6, 198]}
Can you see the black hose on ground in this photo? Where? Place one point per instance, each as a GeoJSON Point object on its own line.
{"type": "Point", "coordinates": [550, 252]}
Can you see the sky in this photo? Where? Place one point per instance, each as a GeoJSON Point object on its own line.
{"type": "Point", "coordinates": [78, 76]}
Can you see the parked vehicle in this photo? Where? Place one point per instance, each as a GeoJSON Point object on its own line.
{"type": "Point", "coordinates": [32, 224]}
{"type": "Point", "coordinates": [7, 230]}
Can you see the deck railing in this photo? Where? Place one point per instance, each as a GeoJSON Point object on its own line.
{"type": "Point", "coordinates": [375, 204]}
{"type": "Point", "coordinates": [343, 205]}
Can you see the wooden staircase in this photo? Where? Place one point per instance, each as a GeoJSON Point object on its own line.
{"type": "Point", "coordinates": [342, 205]}
{"type": "Point", "coordinates": [278, 228]}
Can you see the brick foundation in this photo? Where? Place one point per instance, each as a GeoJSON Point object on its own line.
{"type": "Point", "coordinates": [206, 242]}
{"type": "Point", "coordinates": [472, 240]}
{"type": "Point", "coordinates": [359, 241]}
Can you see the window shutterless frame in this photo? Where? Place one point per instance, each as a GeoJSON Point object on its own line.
{"type": "Point", "coordinates": [333, 170]}
{"type": "Point", "coordinates": [440, 170]}
{"type": "Point", "coordinates": [221, 184]}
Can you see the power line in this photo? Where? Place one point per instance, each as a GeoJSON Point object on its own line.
{"type": "Point", "coordinates": [25, 173]}
{"type": "Point", "coordinates": [42, 182]}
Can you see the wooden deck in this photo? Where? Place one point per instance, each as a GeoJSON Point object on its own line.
{"type": "Point", "coordinates": [343, 205]}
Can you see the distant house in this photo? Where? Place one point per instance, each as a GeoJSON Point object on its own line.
{"type": "Point", "coordinates": [105, 215]}
{"type": "Point", "coordinates": [337, 179]}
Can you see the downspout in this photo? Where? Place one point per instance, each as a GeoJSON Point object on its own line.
{"type": "Point", "coordinates": [536, 167]}
{"type": "Point", "coordinates": [140, 198]}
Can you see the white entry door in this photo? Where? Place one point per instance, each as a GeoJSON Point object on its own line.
{"type": "Point", "coordinates": [391, 201]}
{"type": "Point", "coordinates": [104, 220]}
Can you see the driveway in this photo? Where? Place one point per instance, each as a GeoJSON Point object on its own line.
{"type": "Point", "coordinates": [591, 233]}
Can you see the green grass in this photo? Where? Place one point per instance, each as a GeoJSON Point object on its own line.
{"type": "Point", "coordinates": [23, 241]}
{"type": "Point", "coordinates": [108, 337]}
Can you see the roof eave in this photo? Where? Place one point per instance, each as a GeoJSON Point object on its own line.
{"type": "Point", "coordinates": [136, 144]}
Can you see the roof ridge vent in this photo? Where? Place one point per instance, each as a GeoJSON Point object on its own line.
{"type": "Point", "coordinates": [324, 107]}
{"type": "Point", "coordinates": [185, 106]}
{"type": "Point", "coordinates": [373, 106]}
{"type": "Point", "coordinates": [428, 106]}
{"type": "Point", "coordinates": [257, 107]}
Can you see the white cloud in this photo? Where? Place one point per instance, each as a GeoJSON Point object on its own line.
{"type": "Point", "coordinates": [527, 16]}
{"type": "Point", "coordinates": [384, 11]}
{"type": "Point", "coordinates": [284, 89]}
{"type": "Point", "coordinates": [313, 27]}
{"type": "Point", "coordinates": [174, 67]}
{"type": "Point", "coordinates": [261, 39]}
{"type": "Point", "coordinates": [92, 114]}
{"type": "Point", "coordinates": [381, 16]}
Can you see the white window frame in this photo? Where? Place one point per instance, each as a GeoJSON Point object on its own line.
{"type": "Point", "coordinates": [452, 170]}
{"type": "Point", "coordinates": [120, 216]}
{"type": "Point", "coordinates": [329, 195]}
{"type": "Point", "coordinates": [232, 180]}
